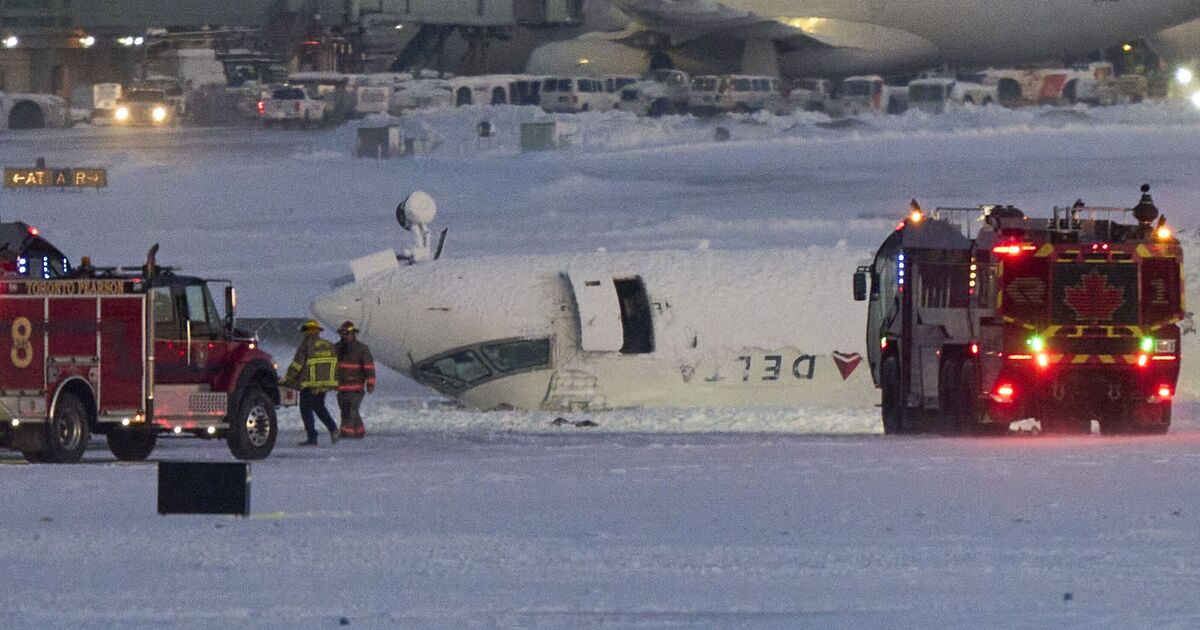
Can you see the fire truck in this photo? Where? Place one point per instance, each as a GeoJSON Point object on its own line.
{"type": "Point", "coordinates": [133, 353]}
{"type": "Point", "coordinates": [1065, 320]}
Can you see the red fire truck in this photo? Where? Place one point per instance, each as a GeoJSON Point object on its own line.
{"type": "Point", "coordinates": [131, 353]}
{"type": "Point", "coordinates": [1065, 320]}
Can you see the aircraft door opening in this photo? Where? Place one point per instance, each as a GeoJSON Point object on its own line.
{"type": "Point", "coordinates": [636, 322]}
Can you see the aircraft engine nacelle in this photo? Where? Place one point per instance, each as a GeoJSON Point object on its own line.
{"type": "Point", "coordinates": [588, 56]}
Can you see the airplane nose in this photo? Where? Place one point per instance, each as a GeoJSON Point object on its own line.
{"type": "Point", "coordinates": [344, 304]}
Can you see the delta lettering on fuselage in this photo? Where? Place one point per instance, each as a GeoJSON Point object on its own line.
{"type": "Point", "coordinates": [76, 287]}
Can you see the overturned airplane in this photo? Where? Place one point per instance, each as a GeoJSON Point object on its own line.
{"type": "Point", "coordinates": [609, 330]}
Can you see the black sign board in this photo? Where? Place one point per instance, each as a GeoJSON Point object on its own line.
{"type": "Point", "coordinates": [204, 488]}
{"type": "Point", "coordinates": [16, 177]}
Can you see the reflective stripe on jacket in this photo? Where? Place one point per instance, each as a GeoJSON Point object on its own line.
{"type": "Point", "coordinates": [314, 367]}
{"type": "Point", "coordinates": [356, 366]}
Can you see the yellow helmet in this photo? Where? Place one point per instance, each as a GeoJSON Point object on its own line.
{"type": "Point", "coordinates": [311, 325]}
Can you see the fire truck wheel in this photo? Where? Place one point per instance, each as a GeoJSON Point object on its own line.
{"type": "Point", "coordinates": [253, 430]}
{"type": "Point", "coordinates": [67, 433]}
{"type": "Point", "coordinates": [892, 407]}
{"type": "Point", "coordinates": [131, 446]}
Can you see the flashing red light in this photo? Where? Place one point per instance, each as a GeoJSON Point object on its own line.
{"type": "Point", "coordinates": [1143, 360]}
{"type": "Point", "coordinates": [883, 343]}
{"type": "Point", "coordinates": [1004, 393]}
{"type": "Point", "coordinates": [1043, 359]}
{"type": "Point", "coordinates": [974, 348]}
{"type": "Point", "coordinates": [1020, 357]}
{"type": "Point", "coordinates": [1163, 357]}
{"type": "Point", "coordinates": [1007, 250]}
{"type": "Point", "coordinates": [1164, 391]}
{"type": "Point", "coordinates": [34, 231]}
{"type": "Point", "coordinates": [262, 106]}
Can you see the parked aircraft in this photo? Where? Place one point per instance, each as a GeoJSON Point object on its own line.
{"type": "Point", "coordinates": [847, 37]}
{"type": "Point", "coordinates": [609, 330]}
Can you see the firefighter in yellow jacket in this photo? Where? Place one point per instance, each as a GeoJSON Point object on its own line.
{"type": "Point", "coordinates": [314, 372]}
{"type": "Point", "coordinates": [356, 378]}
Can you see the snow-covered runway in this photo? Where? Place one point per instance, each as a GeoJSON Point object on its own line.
{"type": "Point", "coordinates": [570, 529]}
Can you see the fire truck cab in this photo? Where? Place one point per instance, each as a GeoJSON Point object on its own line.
{"type": "Point", "coordinates": [133, 353]}
{"type": "Point", "coordinates": [1064, 320]}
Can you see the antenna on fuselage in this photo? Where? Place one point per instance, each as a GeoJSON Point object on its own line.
{"type": "Point", "coordinates": [415, 214]}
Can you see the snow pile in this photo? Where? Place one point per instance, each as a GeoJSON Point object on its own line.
{"type": "Point", "coordinates": [589, 132]}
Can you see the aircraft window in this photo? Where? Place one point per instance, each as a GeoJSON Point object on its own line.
{"type": "Point", "coordinates": [636, 321]}
{"type": "Point", "coordinates": [517, 355]}
{"type": "Point", "coordinates": [742, 85]}
{"type": "Point", "coordinates": [463, 367]}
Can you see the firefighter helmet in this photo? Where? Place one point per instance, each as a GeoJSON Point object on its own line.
{"type": "Point", "coordinates": [311, 325]}
{"type": "Point", "coordinates": [347, 327]}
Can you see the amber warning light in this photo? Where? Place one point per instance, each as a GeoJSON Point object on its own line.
{"type": "Point", "coordinates": [61, 178]}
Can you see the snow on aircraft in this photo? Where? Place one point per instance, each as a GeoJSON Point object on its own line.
{"type": "Point", "coordinates": [797, 38]}
{"type": "Point", "coordinates": [606, 330]}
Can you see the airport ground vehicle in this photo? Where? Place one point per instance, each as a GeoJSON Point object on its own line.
{"type": "Point", "coordinates": [144, 106]}
{"type": "Point", "coordinates": [659, 93]}
{"type": "Point", "coordinates": [810, 95]}
{"type": "Point", "coordinates": [1065, 319]}
{"type": "Point", "coordinates": [292, 106]}
{"type": "Point", "coordinates": [871, 95]}
{"type": "Point", "coordinates": [574, 94]}
{"type": "Point", "coordinates": [935, 95]}
{"type": "Point", "coordinates": [736, 93]}
{"type": "Point", "coordinates": [132, 353]}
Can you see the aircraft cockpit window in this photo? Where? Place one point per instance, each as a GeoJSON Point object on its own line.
{"type": "Point", "coordinates": [518, 355]}
{"type": "Point", "coordinates": [462, 367]}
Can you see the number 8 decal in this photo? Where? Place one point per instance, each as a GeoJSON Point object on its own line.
{"type": "Point", "coordinates": [22, 350]}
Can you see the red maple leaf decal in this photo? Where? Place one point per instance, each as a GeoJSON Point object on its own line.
{"type": "Point", "coordinates": [1093, 299]}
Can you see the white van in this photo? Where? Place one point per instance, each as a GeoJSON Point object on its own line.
{"type": "Point", "coordinates": [736, 93]}
{"type": "Point", "coordinates": [574, 94]}
{"type": "Point", "coordinates": [936, 95]}
{"type": "Point", "coordinates": [869, 94]}
{"type": "Point", "coordinates": [755, 93]}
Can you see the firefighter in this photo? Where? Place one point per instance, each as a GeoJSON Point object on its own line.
{"type": "Point", "coordinates": [356, 378]}
{"type": "Point", "coordinates": [314, 373]}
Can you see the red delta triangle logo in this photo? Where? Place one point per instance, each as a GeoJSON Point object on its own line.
{"type": "Point", "coordinates": [1093, 299]}
{"type": "Point", "coordinates": [846, 362]}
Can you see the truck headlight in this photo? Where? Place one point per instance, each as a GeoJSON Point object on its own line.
{"type": "Point", "coordinates": [122, 114]}
{"type": "Point", "coordinates": [1196, 99]}
{"type": "Point", "coordinates": [1184, 76]}
{"type": "Point", "coordinates": [159, 114]}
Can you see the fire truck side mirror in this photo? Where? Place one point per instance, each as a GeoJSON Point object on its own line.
{"type": "Point", "coordinates": [230, 307]}
{"type": "Point", "coordinates": [860, 284]}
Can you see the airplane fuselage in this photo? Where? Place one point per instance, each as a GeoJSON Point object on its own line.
{"type": "Point", "coordinates": [890, 35]}
{"type": "Point", "coordinates": [602, 331]}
